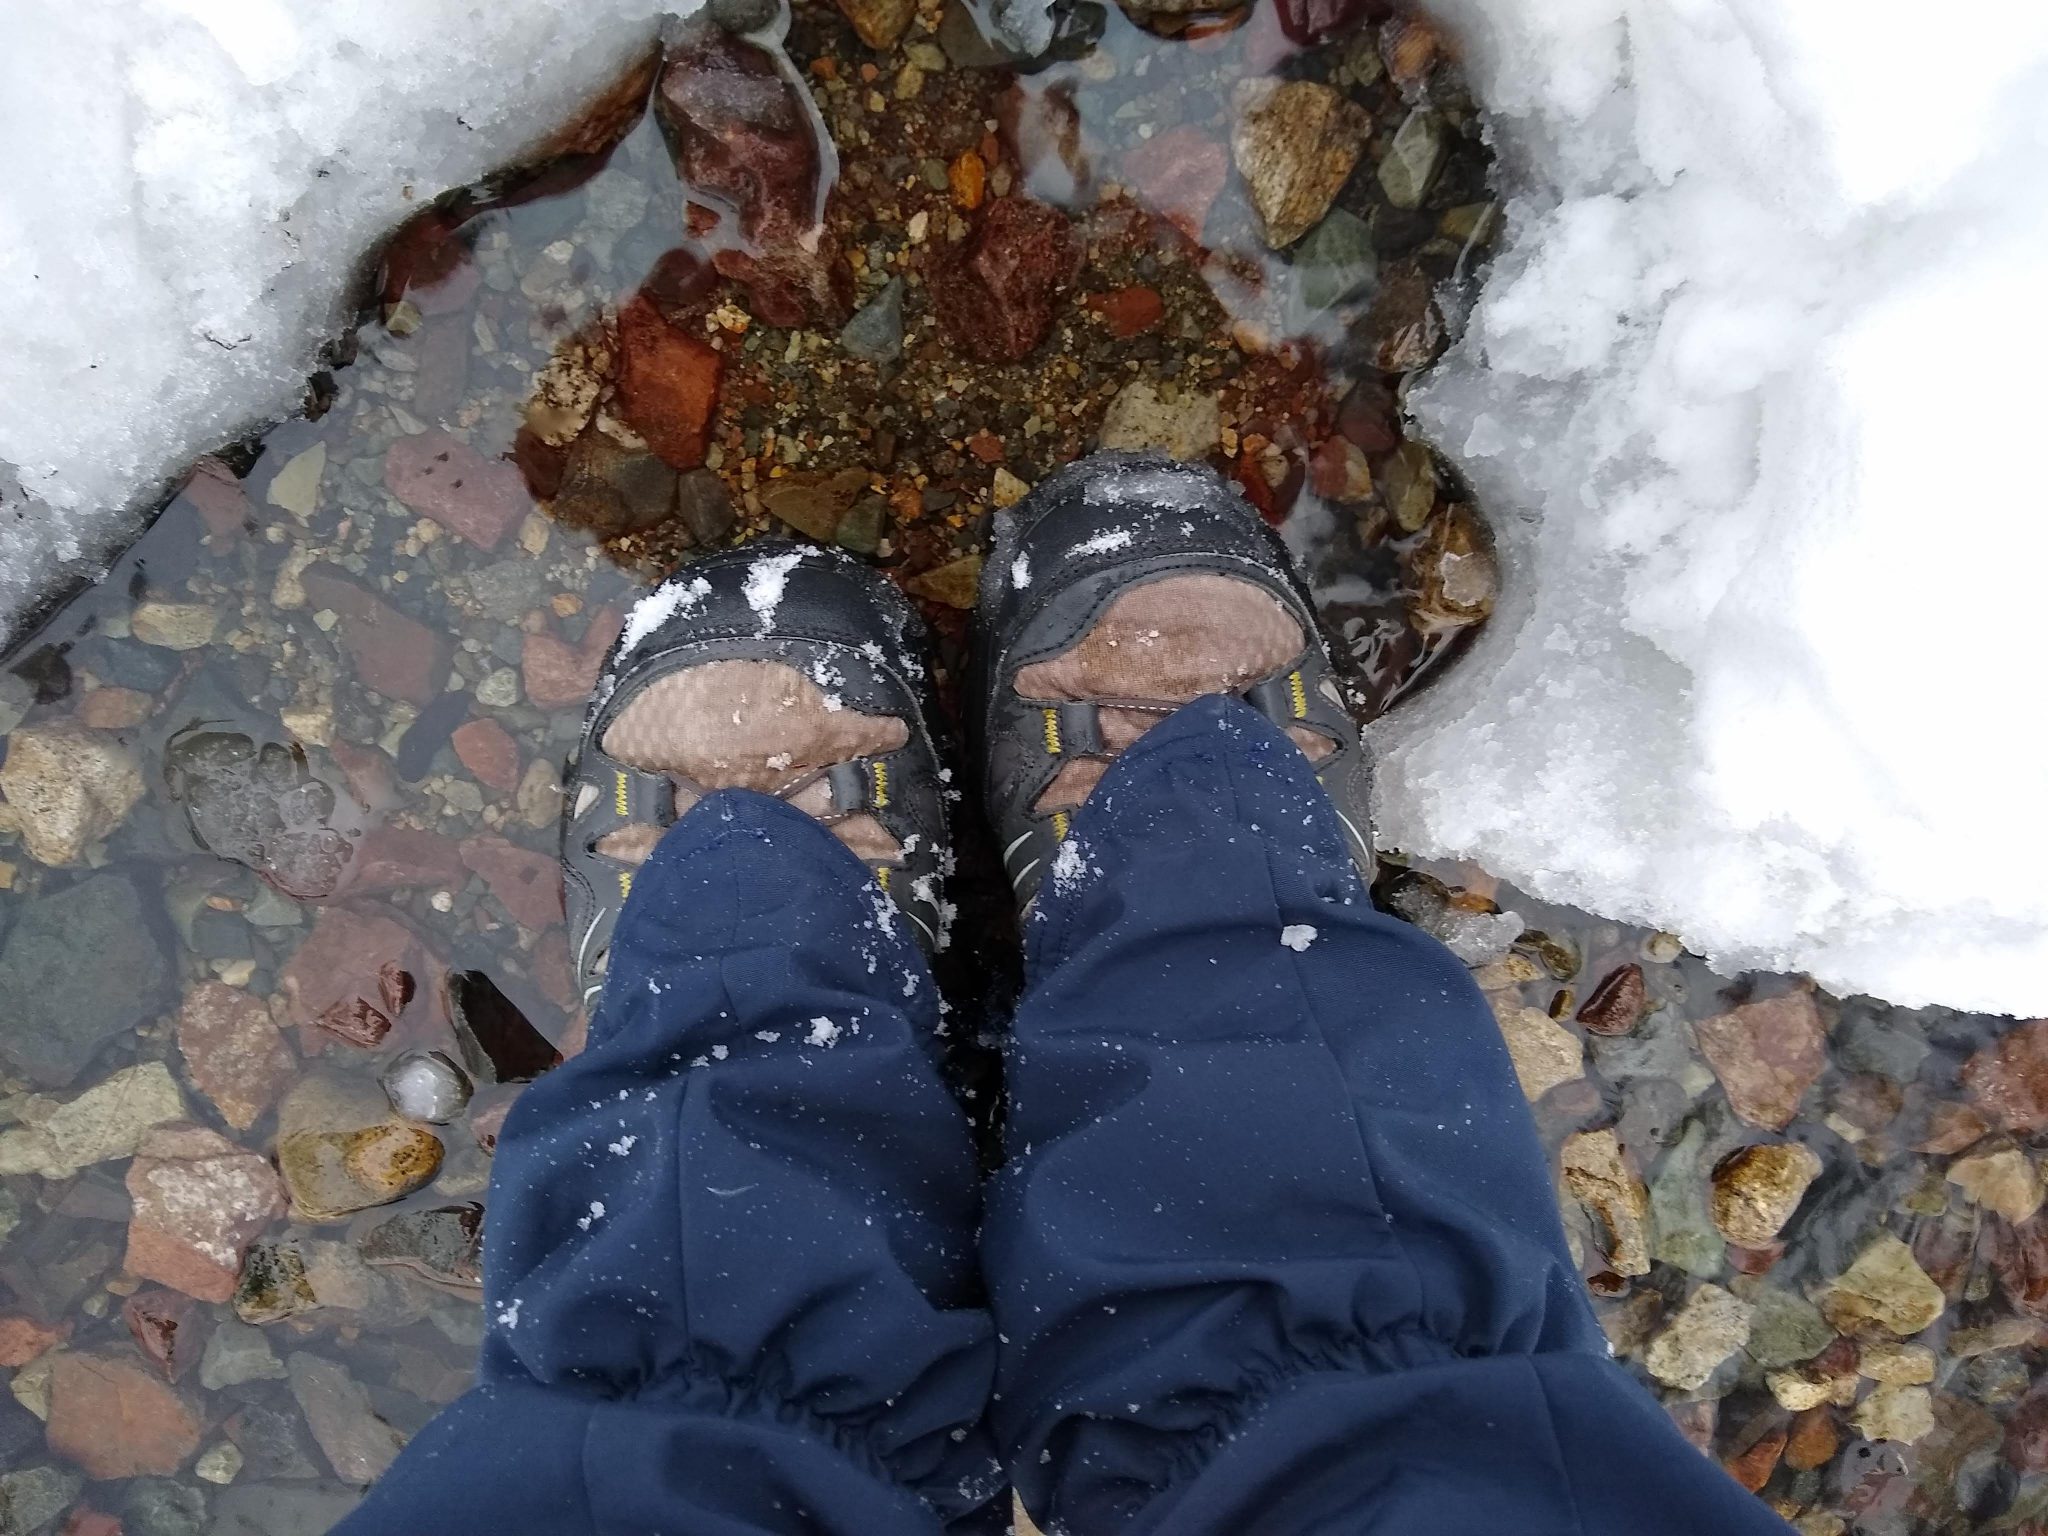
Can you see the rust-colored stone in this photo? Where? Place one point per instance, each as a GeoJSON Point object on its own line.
{"type": "Point", "coordinates": [995, 298]}
{"type": "Point", "coordinates": [2008, 1079]}
{"type": "Point", "coordinates": [115, 1420]}
{"type": "Point", "coordinates": [1813, 1441]}
{"type": "Point", "coordinates": [668, 384]}
{"type": "Point", "coordinates": [488, 751]}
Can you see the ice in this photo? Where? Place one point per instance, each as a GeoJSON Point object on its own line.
{"type": "Point", "coordinates": [187, 190]}
{"type": "Point", "coordinates": [1298, 936]}
{"type": "Point", "coordinates": [1020, 572]}
{"type": "Point", "coordinates": [1751, 398]}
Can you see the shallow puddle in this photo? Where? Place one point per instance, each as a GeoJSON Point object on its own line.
{"type": "Point", "coordinates": [278, 849]}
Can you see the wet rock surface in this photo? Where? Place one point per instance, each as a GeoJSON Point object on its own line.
{"type": "Point", "coordinates": [703, 332]}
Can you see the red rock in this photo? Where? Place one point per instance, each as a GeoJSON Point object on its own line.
{"type": "Point", "coordinates": [1128, 311]}
{"type": "Point", "coordinates": [340, 960]}
{"type": "Point", "coordinates": [114, 1419]}
{"type": "Point", "coordinates": [2008, 1079]}
{"type": "Point", "coordinates": [1041, 128]}
{"type": "Point", "coordinates": [1946, 1249]}
{"type": "Point", "coordinates": [1766, 1054]}
{"type": "Point", "coordinates": [995, 297]}
{"type": "Point", "coordinates": [442, 477]}
{"type": "Point", "coordinates": [559, 675]}
{"type": "Point", "coordinates": [1337, 471]}
{"type": "Point", "coordinates": [86, 1521]}
{"type": "Point", "coordinates": [165, 1327]}
{"type": "Point", "coordinates": [428, 262]}
{"type": "Point", "coordinates": [986, 446]}
{"type": "Point", "coordinates": [233, 1051]}
{"type": "Point", "coordinates": [1952, 1128]}
{"type": "Point", "coordinates": [356, 1022]}
{"type": "Point", "coordinates": [1370, 417]}
{"type": "Point", "coordinates": [1813, 1440]}
{"type": "Point", "coordinates": [489, 753]}
{"type": "Point", "coordinates": [551, 971]}
{"type": "Point", "coordinates": [1753, 1467]}
{"type": "Point", "coordinates": [1178, 175]}
{"type": "Point", "coordinates": [742, 134]}
{"type": "Point", "coordinates": [200, 1200]}
{"type": "Point", "coordinates": [2019, 1257]}
{"type": "Point", "coordinates": [2026, 1432]}
{"type": "Point", "coordinates": [403, 858]}
{"type": "Point", "coordinates": [527, 884]}
{"type": "Point", "coordinates": [668, 384]}
{"type": "Point", "coordinates": [555, 672]}
{"type": "Point", "coordinates": [23, 1338]}
{"type": "Point", "coordinates": [221, 502]}
{"type": "Point", "coordinates": [1309, 22]}
{"type": "Point", "coordinates": [396, 655]}
{"type": "Point", "coordinates": [395, 987]}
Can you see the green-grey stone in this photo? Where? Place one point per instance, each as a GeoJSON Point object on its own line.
{"type": "Point", "coordinates": [861, 529]}
{"type": "Point", "coordinates": [1684, 1235]}
{"type": "Point", "coordinates": [875, 335]}
{"type": "Point", "coordinates": [1786, 1329]}
{"type": "Point", "coordinates": [1413, 159]}
{"type": "Point", "coordinates": [1334, 261]}
{"type": "Point", "coordinates": [80, 968]}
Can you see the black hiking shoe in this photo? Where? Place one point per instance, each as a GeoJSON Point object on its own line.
{"type": "Point", "coordinates": [1123, 587]}
{"type": "Point", "coordinates": [780, 667]}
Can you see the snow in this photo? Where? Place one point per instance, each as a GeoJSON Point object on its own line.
{"type": "Point", "coordinates": [1106, 542]}
{"type": "Point", "coordinates": [658, 607]}
{"type": "Point", "coordinates": [1020, 572]}
{"type": "Point", "coordinates": [766, 579]}
{"type": "Point", "coordinates": [1750, 397]}
{"type": "Point", "coordinates": [188, 187]}
{"type": "Point", "coordinates": [1298, 936]}
{"type": "Point", "coordinates": [823, 1032]}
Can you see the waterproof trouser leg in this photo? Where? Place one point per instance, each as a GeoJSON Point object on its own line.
{"type": "Point", "coordinates": [1275, 1252]}
{"type": "Point", "coordinates": [730, 1279]}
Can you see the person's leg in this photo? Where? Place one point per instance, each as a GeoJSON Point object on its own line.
{"type": "Point", "coordinates": [730, 1277]}
{"type": "Point", "coordinates": [1275, 1251]}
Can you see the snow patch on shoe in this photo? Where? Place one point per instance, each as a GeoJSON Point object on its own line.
{"type": "Point", "coordinates": [1020, 572]}
{"type": "Point", "coordinates": [1298, 936]}
{"type": "Point", "coordinates": [657, 608]}
{"type": "Point", "coordinates": [1105, 542]}
{"type": "Point", "coordinates": [765, 582]}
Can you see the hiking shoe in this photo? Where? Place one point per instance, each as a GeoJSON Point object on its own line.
{"type": "Point", "coordinates": [785, 668]}
{"type": "Point", "coordinates": [1123, 587]}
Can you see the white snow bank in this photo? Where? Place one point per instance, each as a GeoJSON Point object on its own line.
{"type": "Point", "coordinates": [1753, 398]}
{"type": "Point", "coordinates": [185, 188]}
